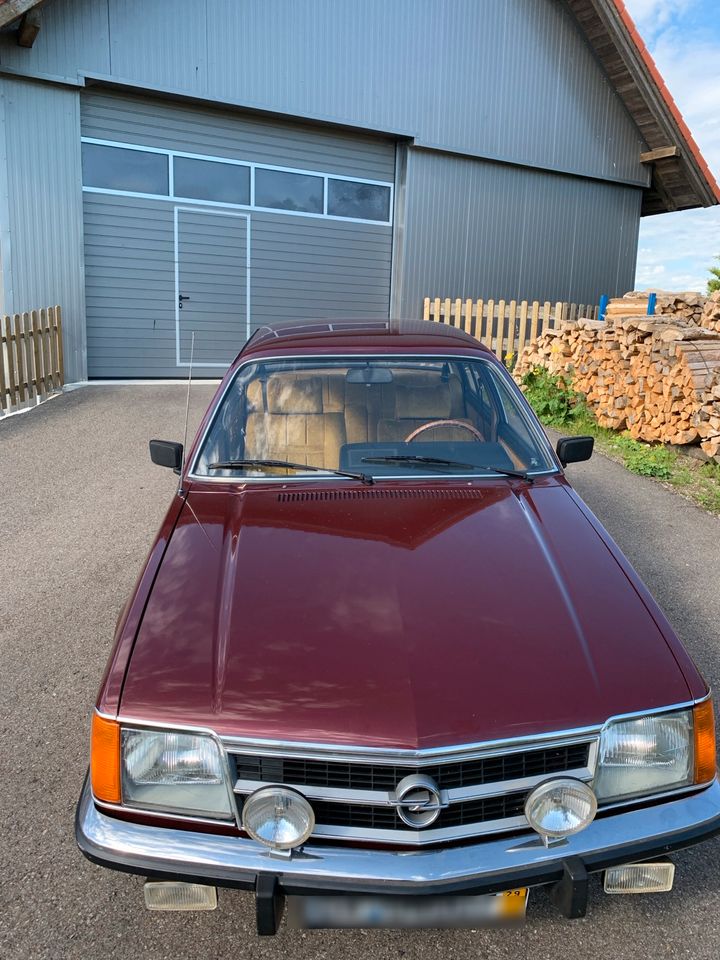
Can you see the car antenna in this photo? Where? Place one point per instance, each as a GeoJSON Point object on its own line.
{"type": "Point", "coordinates": [187, 413]}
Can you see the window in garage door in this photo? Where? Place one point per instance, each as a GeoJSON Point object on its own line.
{"type": "Point", "coordinates": [212, 257]}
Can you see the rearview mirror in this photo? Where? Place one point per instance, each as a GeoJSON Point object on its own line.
{"type": "Point", "coordinates": [167, 453]}
{"type": "Point", "coordinates": [574, 449]}
{"type": "Point", "coordinates": [369, 375]}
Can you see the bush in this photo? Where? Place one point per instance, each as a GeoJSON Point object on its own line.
{"type": "Point", "coordinates": [553, 399]}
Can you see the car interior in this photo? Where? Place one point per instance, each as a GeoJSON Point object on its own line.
{"type": "Point", "coordinates": [335, 416]}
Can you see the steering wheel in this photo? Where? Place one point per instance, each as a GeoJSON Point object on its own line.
{"type": "Point", "coordinates": [444, 423]}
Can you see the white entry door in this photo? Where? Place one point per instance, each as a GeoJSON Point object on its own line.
{"type": "Point", "coordinates": [212, 285]}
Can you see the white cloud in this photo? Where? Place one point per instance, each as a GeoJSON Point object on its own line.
{"type": "Point", "coordinates": [652, 16]}
{"type": "Point", "coordinates": [683, 245]}
{"type": "Point", "coordinates": [678, 249]}
{"type": "Point", "coordinates": [690, 67]}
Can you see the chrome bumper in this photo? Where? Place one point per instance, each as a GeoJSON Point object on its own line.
{"type": "Point", "coordinates": [486, 866]}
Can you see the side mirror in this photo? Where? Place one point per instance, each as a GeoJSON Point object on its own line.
{"type": "Point", "coordinates": [167, 453]}
{"type": "Point", "coordinates": [574, 449]}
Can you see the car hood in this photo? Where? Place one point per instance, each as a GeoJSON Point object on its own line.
{"type": "Point", "coordinates": [403, 615]}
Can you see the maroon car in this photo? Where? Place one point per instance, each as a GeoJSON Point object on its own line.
{"type": "Point", "coordinates": [382, 651]}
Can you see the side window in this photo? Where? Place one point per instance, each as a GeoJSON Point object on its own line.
{"type": "Point", "coordinates": [119, 168]}
{"type": "Point", "coordinates": [288, 191]}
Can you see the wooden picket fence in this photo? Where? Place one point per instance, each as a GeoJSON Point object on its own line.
{"type": "Point", "coordinates": [504, 326]}
{"type": "Point", "coordinates": [31, 357]}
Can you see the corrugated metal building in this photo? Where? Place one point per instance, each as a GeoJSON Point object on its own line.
{"type": "Point", "coordinates": [169, 166]}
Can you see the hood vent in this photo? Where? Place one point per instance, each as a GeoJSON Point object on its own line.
{"type": "Point", "coordinates": [382, 494]}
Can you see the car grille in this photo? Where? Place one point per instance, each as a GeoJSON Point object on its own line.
{"type": "Point", "coordinates": [483, 792]}
{"type": "Point", "coordinates": [369, 776]}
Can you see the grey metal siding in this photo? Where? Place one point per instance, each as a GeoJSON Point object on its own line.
{"type": "Point", "coordinates": [42, 228]}
{"type": "Point", "coordinates": [299, 266]}
{"type": "Point", "coordinates": [477, 229]}
{"type": "Point", "coordinates": [221, 133]}
{"type": "Point", "coordinates": [507, 79]}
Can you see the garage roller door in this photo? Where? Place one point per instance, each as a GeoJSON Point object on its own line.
{"type": "Point", "coordinates": [206, 222]}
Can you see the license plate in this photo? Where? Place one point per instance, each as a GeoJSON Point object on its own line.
{"type": "Point", "coordinates": [398, 912]}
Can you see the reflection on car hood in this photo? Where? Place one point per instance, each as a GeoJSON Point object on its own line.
{"type": "Point", "coordinates": [411, 615]}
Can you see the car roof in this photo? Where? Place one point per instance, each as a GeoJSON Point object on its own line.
{"type": "Point", "coordinates": [385, 336]}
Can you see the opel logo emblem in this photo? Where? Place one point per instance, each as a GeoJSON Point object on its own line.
{"type": "Point", "coordinates": [418, 801]}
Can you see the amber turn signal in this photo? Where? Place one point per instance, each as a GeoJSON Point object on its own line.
{"type": "Point", "coordinates": [105, 760]}
{"type": "Point", "coordinates": [704, 723]}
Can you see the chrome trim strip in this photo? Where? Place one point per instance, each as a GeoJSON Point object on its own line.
{"type": "Point", "coordinates": [386, 798]}
{"type": "Point", "coordinates": [539, 435]}
{"type": "Point", "coordinates": [396, 756]}
{"type": "Point", "coordinates": [164, 815]}
{"type": "Point", "coordinates": [149, 849]}
{"type": "Point", "coordinates": [422, 837]}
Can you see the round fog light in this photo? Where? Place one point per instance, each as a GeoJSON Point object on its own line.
{"type": "Point", "coordinates": [559, 808]}
{"type": "Point", "coordinates": [278, 817]}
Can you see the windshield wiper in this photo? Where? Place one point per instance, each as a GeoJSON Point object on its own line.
{"type": "Point", "coordinates": [440, 462]}
{"type": "Point", "coordinates": [239, 464]}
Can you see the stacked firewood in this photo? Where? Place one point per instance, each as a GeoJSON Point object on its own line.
{"type": "Point", "coordinates": [656, 377]}
{"type": "Point", "coordinates": [710, 318]}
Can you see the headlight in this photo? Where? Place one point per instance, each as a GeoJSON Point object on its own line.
{"type": "Point", "coordinates": [559, 808]}
{"type": "Point", "coordinates": [278, 817]}
{"type": "Point", "coordinates": [173, 772]}
{"type": "Point", "coordinates": [645, 755]}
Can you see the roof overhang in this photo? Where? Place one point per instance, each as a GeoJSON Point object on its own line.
{"type": "Point", "coordinates": [681, 178]}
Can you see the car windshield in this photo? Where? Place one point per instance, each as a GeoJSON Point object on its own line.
{"type": "Point", "coordinates": [372, 417]}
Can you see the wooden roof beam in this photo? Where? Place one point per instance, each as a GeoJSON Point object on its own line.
{"type": "Point", "coordinates": [29, 28]}
{"type": "Point", "coordinates": [660, 154]}
{"type": "Point", "coordinates": [14, 9]}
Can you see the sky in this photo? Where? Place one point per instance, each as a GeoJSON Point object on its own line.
{"type": "Point", "coordinates": [683, 36]}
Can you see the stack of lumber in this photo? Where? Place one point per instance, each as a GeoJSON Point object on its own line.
{"type": "Point", "coordinates": [683, 306]}
{"type": "Point", "coordinates": [710, 318]}
{"type": "Point", "coordinates": [656, 377]}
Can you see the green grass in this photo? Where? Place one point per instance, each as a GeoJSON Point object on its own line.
{"type": "Point", "coordinates": [558, 405]}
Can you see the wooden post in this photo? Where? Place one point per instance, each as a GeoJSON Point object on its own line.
{"type": "Point", "coordinates": [60, 348]}
{"type": "Point", "coordinates": [426, 308]}
{"type": "Point", "coordinates": [534, 321]}
{"type": "Point", "coordinates": [12, 380]}
{"type": "Point", "coordinates": [522, 334]}
{"type": "Point", "coordinates": [436, 309]}
{"type": "Point", "coordinates": [478, 319]}
{"type": "Point", "coordinates": [4, 400]}
{"type": "Point", "coordinates": [557, 319]}
{"type": "Point", "coordinates": [446, 310]}
{"type": "Point", "coordinates": [511, 327]}
{"type": "Point", "coordinates": [545, 320]}
{"type": "Point", "coordinates": [467, 326]}
{"type": "Point", "coordinates": [17, 320]}
{"type": "Point", "coordinates": [490, 309]}
{"type": "Point", "coordinates": [457, 319]}
{"type": "Point", "coordinates": [27, 354]}
{"type": "Point", "coordinates": [37, 355]}
{"type": "Point", "coordinates": [45, 337]}
{"type": "Point", "coordinates": [53, 347]}
{"type": "Point", "coordinates": [500, 330]}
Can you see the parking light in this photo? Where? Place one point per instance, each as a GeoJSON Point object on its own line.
{"type": "Point", "coordinates": [705, 757]}
{"type": "Point", "coordinates": [105, 759]}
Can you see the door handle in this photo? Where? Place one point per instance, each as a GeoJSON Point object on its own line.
{"type": "Point", "coordinates": [181, 297]}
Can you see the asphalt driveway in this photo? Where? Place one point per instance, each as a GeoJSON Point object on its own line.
{"type": "Point", "coordinates": [79, 506]}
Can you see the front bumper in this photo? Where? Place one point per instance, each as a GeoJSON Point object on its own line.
{"type": "Point", "coordinates": [481, 867]}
